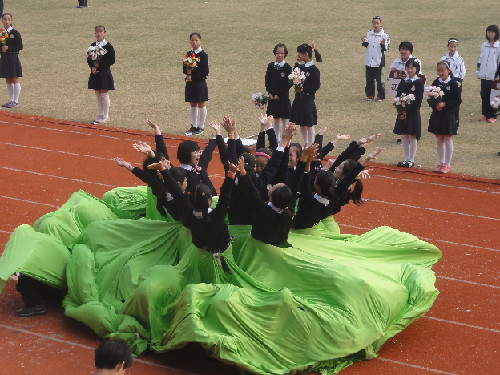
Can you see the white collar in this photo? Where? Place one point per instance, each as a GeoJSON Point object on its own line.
{"type": "Point", "coordinates": [281, 64]}
{"type": "Point", "coordinates": [102, 44]}
{"type": "Point", "coordinates": [308, 64]}
{"type": "Point", "coordinates": [199, 214]}
{"type": "Point", "coordinates": [278, 210]}
{"type": "Point", "coordinates": [9, 29]}
{"type": "Point", "coordinates": [447, 80]}
{"type": "Point", "coordinates": [187, 167]}
{"type": "Point", "coordinates": [198, 50]}
{"type": "Point", "coordinates": [415, 77]}
{"type": "Point", "coordinates": [379, 33]}
{"type": "Point", "coordinates": [455, 55]}
{"type": "Point", "coordinates": [320, 199]}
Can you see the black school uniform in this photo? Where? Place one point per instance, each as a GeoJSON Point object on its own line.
{"type": "Point", "coordinates": [276, 81]}
{"type": "Point", "coordinates": [212, 235]}
{"type": "Point", "coordinates": [10, 66]}
{"type": "Point", "coordinates": [304, 112]}
{"type": "Point", "coordinates": [196, 91]}
{"type": "Point", "coordinates": [412, 124]}
{"type": "Point", "coordinates": [103, 79]}
{"type": "Point", "coordinates": [444, 122]}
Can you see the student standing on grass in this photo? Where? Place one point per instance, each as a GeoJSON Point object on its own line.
{"type": "Point", "coordinates": [278, 87]}
{"type": "Point", "coordinates": [442, 121]}
{"type": "Point", "coordinates": [196, 92]}
{"type": "Point", "coordinates": [457, 66]}
{"type": "Point", "coordinates": [376, 43]}
{"type": "Point", "coordinates": [405, 52]}
{"type": "Point", "coordinates": [304, 112]}
{"type": "Point", "coordinates": [101, 79]}
{"type": "Point", "coordinates": [10, 66]}
{"type": "Point", "coordinates": [487, 67]}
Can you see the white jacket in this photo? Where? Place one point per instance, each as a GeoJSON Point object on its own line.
{"type": "Point", "coordinates": [488, 61]}
{"type": "Point", "coordinates": [457, 65]}
{"type": "Point", "coordinates": [374, 55]}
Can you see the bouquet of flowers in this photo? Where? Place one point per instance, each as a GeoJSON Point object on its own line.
{"type": "Point", "coordinates": [434, 95]}
{"type": "Point", "coordinates": [297, 77]}
{"type": "Point", "coordinates": [496, 104]}
{"type": "Point", "coordinates": [96, 53]}
{"type": "Point", "coordinates": [403, 102]}
{"type": "Point", "coordinates": [260, 100]}
{"type": "Point", "coordinates": [4, 36]}
{"type": "Point", "coordinates": [190, 61]}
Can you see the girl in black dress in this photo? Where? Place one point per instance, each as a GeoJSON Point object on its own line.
{"type": "Point", "coordinates": [100, 78]}
{"type": "Point", "coordinates": [304, 111]}
{"type": "Point", "coordinates": [196, 92]}
{"type": "Point", "coordinates": [408, 124]}
{"type": "Point", "coordinates": [10, 66]}
{"type": "Point", "coordinates": [278, 86]}
{"type": "Point", "coordinates": [442, 122]}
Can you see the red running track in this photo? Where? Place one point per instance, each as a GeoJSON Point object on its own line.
{"type": "Point", "coordinates": [43, 161]}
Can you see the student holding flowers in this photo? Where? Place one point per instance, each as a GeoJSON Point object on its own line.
{"type": "Point", "coordinates": [195, 67]}
{"type": "Point", "coordinates": [100, 57]}
{"type": "Point", "coordinates": [10, 66]}
{"type": "Point", "coordinates": [442, 122]}
{"type": "Point", "coordinates": [304, 112]}
{"type": "Point", "coordinates": [409, 97]}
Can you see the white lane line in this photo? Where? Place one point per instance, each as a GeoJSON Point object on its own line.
{"type": "Point", "coordinates": [431, 239]}
{"type": "Point", "coordinates": [435, 210]}
{"type": "Point", "coordinates": [5, 231]}
{"type": "Point", "coordinates": [416, 366]}
{"type": "Point", "coordinates": [438, 184]}
{"type": "Point", "coordinates": [28, 201]}
{"type": "Point", "coordinates": [469, 282]}
{"type": "Point", "coordinates": [47, 337]}
{"type": "Point", "coordinates": [59, 177]}
{"type": "Point", "coordinates": [461, 324]}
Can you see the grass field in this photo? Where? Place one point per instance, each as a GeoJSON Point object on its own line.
{"type": "Point", "coordinates": [150, 37]}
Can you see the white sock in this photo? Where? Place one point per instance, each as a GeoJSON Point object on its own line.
{"type": "Point", "coordinates": [303, 132]}
{"type": "Point", "coordinates": [194, 116]}
{"type": "Point", "coordinates": [17, 91]}
{"type": "Point", "coordinates": [405, 142]}
{"type": "Point", "coordinates": [105, 105]}
{"type": "Point", "coordinates": [277, 128]}
{"type": "Point", "coordinates": [440, 148]}
{"type": "Point", "coordinates": [448, 150]}
{"type": "Point", "coordinates": [203, 117]}
{"type": "Point", "coordinates": [310, 135]}
{"type": "Point", "coordinates": [10, 91]}
{"type": "Point", "coordinates": [99, 104]}
{"type": "Point", "coordinates": [412, 139]}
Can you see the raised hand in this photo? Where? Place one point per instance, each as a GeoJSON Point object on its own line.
{"type": "Point", "coordinates": [373, 155]}
{"type": "Point", "coordinates": [310, 153]}
{"type": "Point", "coordinates": [241, 166]}
{"type": "Point", "coordinates": [123, 163]}
{"type": "Point", "coordinates": [365, 174]}
{"type": "Point", "coordinates": [323, 130]}
{"type": "Point", "coordinates": [155, 127]}
{"type": "Point", "coordinates": [216, 127]}
{"type": "Point", "coordinates": [144, 148]}
{"type": "Point", "coordinates": [265, 121]}
{"type": "Point", "coordinates": [372, 137]}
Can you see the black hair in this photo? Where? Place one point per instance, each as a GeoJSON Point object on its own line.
{"type": "Point", "coordinates": [452, 40]}
{"type": "Point", "coordinates": [489, 28]}
{"type": "Point", "coordinates": [197, 34]}
{"type": "Point", "coordinates": [111, 353]}
{"type": "Point", "coordinates": [10, 14]}
{"type": "Point", "coordinates": [298, 147]}
{"type": "Point", "coordinates": [306, 48]}
{"type": "Point", "coordinates": [281, 198]}
{"type": "Point", "coordinates": [445, 63]}
{"type": "Point", "coordinates": [200, 196]}
{"type": "Point", "coordinates": [249, 161]}
{"type": "Point", "coordinates": [178, 174]}
{"type": "Point", "coordinates": [184, 151]}
{"type": "Point", "coordinates": [406, 45]}
{"type": "Point", "coordinates": [377, 18]}
{"type": "Point", "coordinates": [278, 46]}
{"type": "Point", "coordinates": [325, 180]}
{"type": "Point", "coordinates": [100, 27]}
{"type": "Point", "coordinates": [413, 62]}
{"type": "Point", "coordinates": [265, 150]}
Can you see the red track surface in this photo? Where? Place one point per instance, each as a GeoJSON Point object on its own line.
{"type": "Point", "coordinates": [43, 161]}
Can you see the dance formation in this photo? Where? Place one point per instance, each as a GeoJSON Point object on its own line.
{"type": "Point", "coordinates": [176, 261]}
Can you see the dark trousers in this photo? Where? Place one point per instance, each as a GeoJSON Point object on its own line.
{"type": "Point", "coordinates": [82, 3]}
{"type": "Point", "coordinates": [487, 110]}
{"type": "Point", "coordinates": [34, 292]}
{"type": "Point", "coordinates": [374, 73]}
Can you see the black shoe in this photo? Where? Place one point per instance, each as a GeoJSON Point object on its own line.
{"type": "Point", "coordinates": [33, 310]}
{"type": "Point", "coordinates": [402, 164]}
{"type": "Point", "coordinates": [409, 164]}
{"type": "Point", "coordinates": [398, 140]}
{"type": "Point", "coordinates": [197, 131]}
{"type": "Point", "coordinates": [190, 131]}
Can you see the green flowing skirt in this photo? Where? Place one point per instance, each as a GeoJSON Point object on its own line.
{"type": "Point", "coordinates": [320, 304]}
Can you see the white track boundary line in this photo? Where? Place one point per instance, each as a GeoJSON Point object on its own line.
{"type": "Point", "coordinates": [28, 201]}
{"type": "Point", "coordinates": [469, 282]}
{"type": "Point", "coordinates": [47, 337]}
{"type": "Point", "coordinates": [462, 324]}
{"type": "Point", "coordinates": [416, 366]}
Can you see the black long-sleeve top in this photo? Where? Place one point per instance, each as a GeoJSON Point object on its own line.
{"type": "Point", "coordinates": [201, 71]}
{"type": "Point", "coordinates": [211, 235]}
{"type": "Point", "coordinates": [14, 42]}
{"type": "Point", "coordinates": [175, 203]}
{"type": "Point", "coordinates": [271, 136]}
{"type": "Point", "coordinates": [416, 88]}
{"type": "Point", "coordinates": [312, 83]}
{"type": "Point", "coordinates": [452, 96]}
{"type": "Point", "coordinates": [276, 80]}
{"type": "Point", "coordinates": [107, 59]}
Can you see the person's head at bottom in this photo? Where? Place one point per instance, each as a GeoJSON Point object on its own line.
{"type": "Point", "coordinates": [112, 357]}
